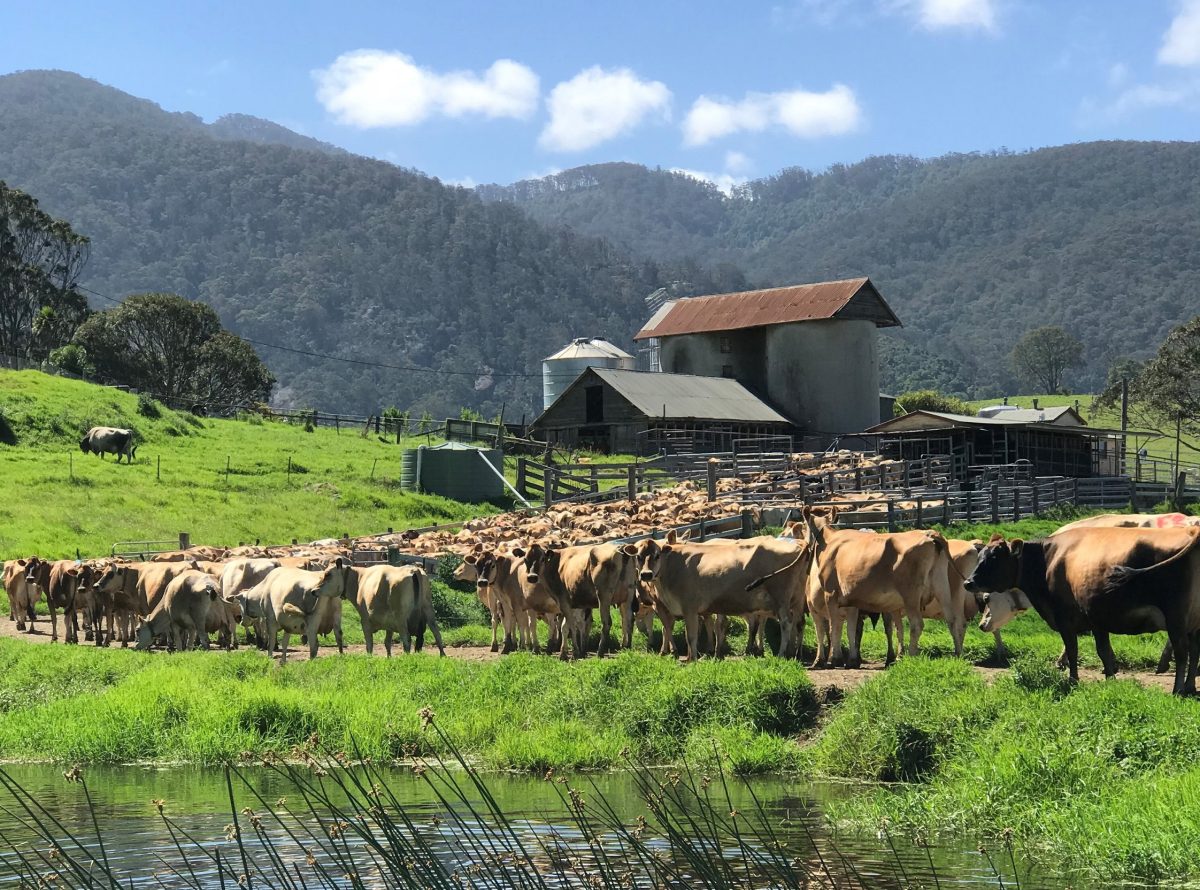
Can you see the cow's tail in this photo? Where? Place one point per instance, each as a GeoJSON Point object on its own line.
{"type": "Point", "coordinates": [759, 582]}
{"type": "Point", "coordinates": [1127, 580]}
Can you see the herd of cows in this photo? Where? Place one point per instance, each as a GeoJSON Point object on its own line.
{"type": "Point", "coordinates": [1113, 574]}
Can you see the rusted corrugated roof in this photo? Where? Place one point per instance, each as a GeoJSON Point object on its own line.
{"type": "Point", "coordinates": [777, 305]}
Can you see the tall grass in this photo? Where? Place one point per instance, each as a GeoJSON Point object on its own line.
{"type": "Point", "coordinates": [1099, 779]}
{"type": "Point", "coordinates": [57, 499]}
{"type": "Point", "coordinates": [524, 712]}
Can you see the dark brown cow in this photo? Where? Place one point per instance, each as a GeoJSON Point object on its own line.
{"type": "Point", "coordinates": [1106, 580]}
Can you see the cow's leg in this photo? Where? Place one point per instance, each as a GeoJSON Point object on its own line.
{"type": "Point", "coordinates": [18, 610]}
{"type": "Point", "coordinates": [1180, 640]}
{"type": "Point", "coordinates": [668, 633]}
{"type": "Point", "coordinates": [497, 618]}
{"type": "Point", "coordinates": [1105, 651]}
{"type": "Point", "coordinates": [337, 636]}
{"type": "Point", "coordinates": [605, 625]}
{"type": "Point", "coordinates": [627, 618]}
{"type": "Point", "coordinates": [821, 626]}
{"type": "Point", "coordinates": [1071, 654]}
{"type": "Point", "coordinates": [787, 623]}
{"type": "Point", "coordinates": [311, 631]}
{"type": "Point", "coordinates": [916, 624]}
{"type": "Point", "coordinates": [53, 621]}
{"type": "Point", "coordinates": [855, 620]}
{"type": "Point", "coordinates": [1189, 685]}
{"type": "Point", "coordinates": [388, 637]}
{"type": "Point", "coordinates": [1164, 660]}
{"type": "Point", "coordinates": [369, 637]}
{"type": "Point", "coordinates": [535, 645]}
{"type": "Point", "coordinates": [691, 621]}
{"type": "Point", "coordinates": [509, 618]}
{"type": "Point", "coordinates": [892, 622]}
{"type": "Point", "coordinates": [837, 618]}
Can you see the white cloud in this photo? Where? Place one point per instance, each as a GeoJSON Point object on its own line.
{"type": "Point", "coordinates": [937, 15]}
{"type": "Point", "coordinates": [1141, 97]}
{"type": "Point", "coordinates": [736, 162]}
{"type": "Point", "coordinates": [1118, 74]}
{"type": "Point", "coordinates": [725, 182]}
{"type": "Point", "coordinates": [802, 113]}
{"type": "Point", "coordinates": [373, 88]}
{"type": "Point", "coordinates": [597, 105]}
{"type": "Point", "coordinates": [1181, 43]}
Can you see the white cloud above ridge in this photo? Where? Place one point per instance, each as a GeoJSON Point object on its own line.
{"type": "Point", "coordinates": [370, 88]}
{"type": "Point", "coordinates": [933, 15]}
{"type": "Point", "coordinates": [1181, 42]}
{"type": "Point", "coordinates": [937, 15]}
{"type": "Point", "coordinates": [725, 182]}
{"type": "Point", "coordinates": [597, 105]}
{"type": "Point", "coordinates": [805, 114]}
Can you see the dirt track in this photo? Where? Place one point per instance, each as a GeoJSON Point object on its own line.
{"type": "Point", "coordinates": [838, 678]}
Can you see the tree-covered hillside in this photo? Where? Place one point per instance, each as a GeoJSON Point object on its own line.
{"type": "Point", "coordinates": [1100, 238]}
{"type": "Point", "coordinates": [322, 251]}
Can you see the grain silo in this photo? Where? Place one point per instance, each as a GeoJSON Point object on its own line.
{"type": "Point", "coordinates": [561, 369]}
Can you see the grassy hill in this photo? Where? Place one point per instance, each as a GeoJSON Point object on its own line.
{"type": "Point", "coordinates": [57, 499]}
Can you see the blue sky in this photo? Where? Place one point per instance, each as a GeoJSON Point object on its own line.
{"type": "Point", "coordinates": [499, 91]}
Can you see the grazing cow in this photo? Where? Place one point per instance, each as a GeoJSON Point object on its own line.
{"type": "Point", "coordinates": [1132, 520]}
{"type": "Point", "coordinates": [396, 600]}
{"type": "Point", "coordinates": [293, 602]}
{"type": "Point", "coordinates": [884, 573]}
{"type": "Point", "coordinates": [744, 577]}
{"type": "Point", "coordinates": [22, 595]}
{"type": "Point", "coordinates": [128, 590]}
{"type": "Point", "coordinates": [182, 612]}
{"type": "Point", "coordinates": [104, 440]}
{"type": "Point", "coordinates": [581, 579]}
{"type": "Point", "coordinates": [1103, 580]}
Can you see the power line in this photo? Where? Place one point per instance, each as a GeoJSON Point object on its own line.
{"type": "Point", "coordinates": [352, 361]}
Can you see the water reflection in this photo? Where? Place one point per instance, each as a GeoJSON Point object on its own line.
{"type": "Point", "coordinates": [142, 845]}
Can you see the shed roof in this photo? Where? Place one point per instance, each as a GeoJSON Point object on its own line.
{"type": "Point", "coordinates": [681, 396]}
{"type": "Point", "coordinates": [852, 298]}
{"type": "Point", "coordinates": [1064, 415]}
{"type": "Point", "coordinates": [932, 420]}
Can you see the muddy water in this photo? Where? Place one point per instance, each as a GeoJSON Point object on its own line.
{"type": "Point", "coordinates": [139, 845]}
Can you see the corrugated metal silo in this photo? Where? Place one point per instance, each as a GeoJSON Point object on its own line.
{"type": "Point", "coordinates": [561, 369]}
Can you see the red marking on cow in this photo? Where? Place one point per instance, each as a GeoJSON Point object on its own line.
{"type": "Point", "coordinates": [1170, 520]}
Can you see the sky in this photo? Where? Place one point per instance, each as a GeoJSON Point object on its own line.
{"type": "Point", "coordinates": [500, 91]}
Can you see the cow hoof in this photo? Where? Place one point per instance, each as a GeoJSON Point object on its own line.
{"type": "Point", "coordinates": [495, 647]}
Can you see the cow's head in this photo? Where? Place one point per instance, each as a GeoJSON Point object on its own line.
{"type": "Point", "coordinates": [335, 580]}
{"type": "Point", "coordinates": [998, 568]}
{"type": "Point", "coordinates": [466, 570]}
{"type": "Point", "coordinates": [84, 445]}
{"type": "Point", "coordinates": [145, 636]}
{"type": "Point", "coordinates": [485, 566]}
{"type": "Point", "coordinates": [1002, 607]}
{"type": "Point", "coordinates": [111, 579]}
{"type": "Point", "coordinates": [538, 560]}
{"type": "Point", "coordinates": [649, 558]}
{"type": "Point", "coordinates": [33, 568]}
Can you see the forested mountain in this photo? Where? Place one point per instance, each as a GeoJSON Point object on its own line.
{"type": "Point", "coordinates": [971, 250]}
{"type": "Point", "coordinates": [321, 251]}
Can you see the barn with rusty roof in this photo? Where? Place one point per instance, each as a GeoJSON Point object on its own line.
{"type": "Point", "coordinates": [810, 351]}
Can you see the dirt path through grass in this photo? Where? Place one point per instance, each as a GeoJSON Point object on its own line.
{"type": "Point", "coordinates": [836, 678]}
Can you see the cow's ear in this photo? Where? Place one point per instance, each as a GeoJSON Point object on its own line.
{"type": "Point", "coordinates": [629, 550]}
{"type": "Point", "coordinates": [73, 571]}
{"type": "Point", "coordinates": [469, 559]}
{"type": "Point", "coordinates": [1016, 545]}
{"type": "Point", "coordinates": [672, 537]}
{"type": "Point", "coordinates": [995, 539]}
{"type": "Point", "coordinates": [667, 548]}
{"type": "Point", "coordinates": [518, 552]}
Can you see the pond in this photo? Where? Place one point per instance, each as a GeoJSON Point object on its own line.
{"type": "Point", "coordinates": [140, 846]}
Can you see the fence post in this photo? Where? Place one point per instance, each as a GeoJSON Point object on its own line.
{"type": "Point", "coordinates": [71, 465]}
{"type": "Point", "coordinates": [996, 503]}
{"type": "Point", "coordinates": [185, 541]}
{"type": "Point", "coordinates": [702, 532]}
{"type": "Point", "coordinates": [920, 512]}
{"type": "Point", "coordinates": [1036, 497]}
{"type": "Point", "coordinates": [227, 471]}
{"type": "Point", "coordinates": [337, 424]}
{"type": "Point", "coordinates": [858, 479]}
{"type": "Point", "coordinates": [521, 477]}
{"type": "Point", "coordinates": [373, 462]}
{"type": "Point", "coordinates": [945, 508]}
{"type": "Point", "coordinates": [548, 485]}
{"type": "Point", "coordinates": [1075, 491]}
{"type": "Point", "coordinates": [595, 484]}
{"type": "Point", "coordinates": [968, 494]}
{"type": "Point", "coordinates": [1016, 503]}
{"type": "Point", "coordinates": [158, 469]}
{"type": "Point", "coordinates": [631, 481]}
{"type": "Point", "coordinates": [1132, 494]}
{"type": "Point", "coordinates": [747, 524]}
{"type": "Point", "coordinates": [712, 480]}
{"type": "Point", "coordinates": [376, 423]}
{"type": "Point", "coordinates": [289, 470]}
{"type": "Point", "coordinates": [891, 513]}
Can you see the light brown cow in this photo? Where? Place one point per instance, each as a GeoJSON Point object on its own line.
{"type": "Point", "coordinates": [756, 575]}
{"type": "Point", "coordinates": [884, 573]}
{"type": "Point", "coordinates": [67, 578]}
{"type": "Point", "coordinates": [581, 579]}
{"type": "Point", "coordinates": [237, 576]}
{"type": "Point", "coordinates": [22, 595]}
{"type": "Point", "coordinates": [292, 602]}
{"type": "Point", "coordinates": [1132, 520]}
{"type": "Point", "coordinates": [129, 590]}
{"type": "Point", "coordinates": [466, 572]}
{"type": "Point", "coordinates": [182, 611]}
{"type": "Point", "coordinates": [396, 600]}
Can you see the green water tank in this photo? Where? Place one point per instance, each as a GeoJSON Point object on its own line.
{"type": "Point", "coordinates": [453, 470]}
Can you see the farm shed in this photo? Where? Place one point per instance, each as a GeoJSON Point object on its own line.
{"type": "Point", "coordinates": [613, 410]}
{"type": "Point", "coordinates": [1066, 446]}
{"type": "Point", "coordinates": [810, 350]}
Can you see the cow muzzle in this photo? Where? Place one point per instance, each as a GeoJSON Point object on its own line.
{"type": "Point", "coordinates": [531, 577]}
{"type": "Point", "coordinates": [646, 576]}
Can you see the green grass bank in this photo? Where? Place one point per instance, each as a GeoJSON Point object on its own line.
{"type": "Point", "coordinates": [57, 499]}
{"type": "Point", "coordinates": [522, 712]}
{"type": "Point", "coordinates": [1101, 779]}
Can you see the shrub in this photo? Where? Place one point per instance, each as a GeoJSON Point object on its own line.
{"type": "Point", "coordinates": [148, 407]}
{"type": "Point", "coordinates": [931, 400]}
{"type": "Point", "coordinates": [72, 359]}
{"type": "Point", "coordinates": [1033, 674]}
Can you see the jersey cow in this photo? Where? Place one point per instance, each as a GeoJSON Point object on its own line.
{"type": "Point", "coordinates": [1103, 580]}
{"type": "Point", "coordinates": [396, 600]}
{"type": "Point", "coordinates": [745, 577]}
{"type": "Point", "coordinates": [182, 612]}
{"type": "Point", "coordinates": [104, 440]}
{"type": "Point", "coordinates": [22, 595]}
